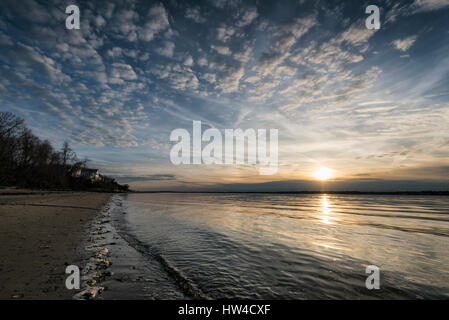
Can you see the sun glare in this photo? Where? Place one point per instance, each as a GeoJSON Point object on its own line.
{"type": "Point", "coordinates": [323, 173]}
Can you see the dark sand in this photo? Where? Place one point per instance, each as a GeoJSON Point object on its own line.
{"type": "Point", "coordinates": [41, 233]}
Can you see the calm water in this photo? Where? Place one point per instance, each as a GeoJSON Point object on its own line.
{"type": "Point", "coordinates": [267, 246]}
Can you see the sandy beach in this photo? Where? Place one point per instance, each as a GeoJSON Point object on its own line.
{"type": "Point", "coordinates": [40, 234]}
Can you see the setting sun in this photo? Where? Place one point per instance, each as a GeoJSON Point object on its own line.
{"type": "Point", "coordinates": [323, 173]}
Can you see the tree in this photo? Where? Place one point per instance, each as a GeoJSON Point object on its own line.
{"type": "Point", "coordinates": [67, 154]}
{"type": "Point", "coordinates": [27, 161]}
{"type": "Point", "coordinates": [9, 124]}
{"type": "Point", "coordinates": [10, 128]}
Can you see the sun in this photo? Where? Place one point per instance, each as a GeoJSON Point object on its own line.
{"type": "Point", "coordinates": [323, 173]}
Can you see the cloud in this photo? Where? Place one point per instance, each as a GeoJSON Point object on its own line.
{"type": "Point", "coordinates": [157, 18]}
{"type": "Point", "coordinates": [166, 50]}
{"type": "Point", "coordinates": [209, 77]}
{"type": "Point", "coordinates": [356, 34]}
{"type": "Point", "coordinates": [221, 50]}
{"type": "Point", "coordinates": [400, 9]}
{"type": "Point", "coordinates": [189, 61]}
{"type": "Point", "coordinates": [284, 37]}
{"type": "Point", "coordinates": [28, 60]}
{"type": "Point", "coordinates": [99, 21]}
{"type": "Point", "coordinates": [225, 33]}
{"type": "Point", "coordinates": [124, 23]}
{"type": "Point", "coordinates": [114, 52]}
{"type": "Point", "coordinates": [225, 3]}
{"type": "Point", "coordinates": [248, 16]}
{"type": "Point", "coordinates": [376, 109]}
{"type": "Point", "coordinates": [47, 101]}
{"type": "Point", "coordinates": [244, 55]}
{"type": "Point", "coordinates": [194, 14]}
{"type": "Point", "coordinates": [120, 72]}
{"type": "Point", "coordinates": [179, 77]}
{"type": "Point", "coordinates": [429, 5]}
{"type": "Point", "coordinates": [374, 102]}
{"type": "Point", "coordinates": [41, 14]}
{"type": "Point", "coordinates": [202, 62]}
{"type": "Point", "coordinates": [358, 184]}
{"type": "Point", "coordinates": [153, 177]}
{"type": "Point", "coordinates": [404, 44]}
{"type": "Point", "coordinates": [230, 80]}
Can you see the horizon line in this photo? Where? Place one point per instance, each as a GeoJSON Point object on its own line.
{"type": "Point", "coordinates": [423, 192]}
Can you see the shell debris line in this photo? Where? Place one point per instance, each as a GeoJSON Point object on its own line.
{"type": "Point", "coordinates": [96, 269]}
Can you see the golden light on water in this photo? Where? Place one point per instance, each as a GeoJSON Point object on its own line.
{"type": "Point", "coordinates": [326, 211]}
{"type": "Point", "coordinates": [323, 173]}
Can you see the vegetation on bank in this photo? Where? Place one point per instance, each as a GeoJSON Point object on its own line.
{"type": "Point", "coordinates": [28, 162]}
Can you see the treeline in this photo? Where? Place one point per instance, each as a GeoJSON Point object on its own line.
{"type": "Point", "coordinates": [28, 162]}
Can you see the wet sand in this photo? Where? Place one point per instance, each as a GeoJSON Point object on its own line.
{"type": "Point", "coordinates": [40, 234]}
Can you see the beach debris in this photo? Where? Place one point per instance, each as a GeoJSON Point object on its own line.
{"type": "Point", "coordinates": [17, 296]}
{"type": "Point", "coordinates": [100, 231]}
{"type": "Point", "coordinates": [104, 252]}
{"type": "Point", "coordinates": [95, 271]}
{"type": "Point", "coordinates": [102, 263]}
{"type": "Point", "coordinates": [86, 270]}
{"type": "Point", "coordinates": [91, 292]}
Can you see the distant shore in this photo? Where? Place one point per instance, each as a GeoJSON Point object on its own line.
{"type": "Point", "coordinates": [412, 193]}
{"type": "Point", "coordinates": [42, 232]}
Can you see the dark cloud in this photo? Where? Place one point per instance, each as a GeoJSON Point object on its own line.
{"type": "Point", "coordinates": [362, 185]}
{"type": "Point", "coordinates": [154, 177]}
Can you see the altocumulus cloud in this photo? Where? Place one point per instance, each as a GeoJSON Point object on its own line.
{"type": "Point", "coordinates": [138, 69]}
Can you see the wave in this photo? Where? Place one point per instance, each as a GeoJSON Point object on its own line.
{"type": "Point", "coordinates": [186, 285]}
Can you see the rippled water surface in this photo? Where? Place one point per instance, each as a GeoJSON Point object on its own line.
{"type": "Point", "coordinates": [276, 246]}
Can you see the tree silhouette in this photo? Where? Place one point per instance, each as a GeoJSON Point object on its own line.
{"type": "Point", "coordinates": [27, 161]}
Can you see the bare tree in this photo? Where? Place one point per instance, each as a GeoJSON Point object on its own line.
{"type": "Point", "coordinates": [27, 161]}
{"type": "Point", "coordinates": [10, 128]}
{"type": "Point", "coordinates": [9, 124]}
{"type": "Point", "coordinates": [67, 154]}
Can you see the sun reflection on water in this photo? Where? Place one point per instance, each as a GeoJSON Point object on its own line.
{"type": "Point", "coordinates": [326, 211]}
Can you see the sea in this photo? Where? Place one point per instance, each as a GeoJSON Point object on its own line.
{"type": "Point", "coordinates": [276, 246]}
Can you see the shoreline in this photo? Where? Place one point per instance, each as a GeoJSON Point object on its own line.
{"type": "Point", "coordinates": [119, 267]}
{"type": "Point", "coordinates": [41, 233]}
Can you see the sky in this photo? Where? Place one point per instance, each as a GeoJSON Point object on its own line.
{"type": "Point", "coordinates": [371, 105]}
